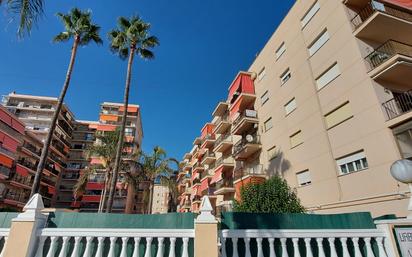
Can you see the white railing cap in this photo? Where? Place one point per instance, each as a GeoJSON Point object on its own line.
{"type": "Point", "coordinates": [206, 216]}
{"type": "Point", "coordinates": [32, 210]}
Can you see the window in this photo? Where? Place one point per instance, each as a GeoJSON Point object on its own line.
{"type": "Point", "coordinates": [309, 14]}
{"type": "Point", "coordinates": [290, 106]}
{"type": "Point", "coordinates": [264, 98]}
{"type": "Point", "coordinates": [296, 139]}
{"type": "Point", "coordinates": [318, 42]}
{"type": "Point", "coordinates": [280, 50]}
{"type": "Point", "coordinates": [304, 178]}
{"type": "Point", "coordinates": [353, 162]}
{"type": "Point", "coordinates": [285, 76]}
{"type": "Point", "coordinates": [339, 115]}
{"type": "Point", "coordinates": [326, 77]}
{"type": "Point", "coordinates": [261, 74]}
{"type": "Point", "coordinates": [128, 132]}
{"type": "Point", "coordinates": [268, 124]}
{"type": "Point", "coordinates": [272, 153]}
{"type": "Point", "coordinates": [403, 136]}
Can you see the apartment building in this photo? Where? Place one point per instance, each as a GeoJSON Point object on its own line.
{"type": "Point", "coordinates": [68, 156]}
{"type": "Point", "coordinates": [19, 155]}
{"type": "Point", "coordinates": [332, 103]}
{"type": "Point", "coordinates": [160, 202]}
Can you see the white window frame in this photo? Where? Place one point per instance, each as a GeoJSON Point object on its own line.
{"type": "Point", "coordinates": [293, 135]}
{"type": "Point", "coordinates": [329, 75]}
{"type": "Point", "coordinates": [319, 41]}
{"type": "Point", "coordinates": [266, 123]}
{"type": "Point", "coordinates": [313, 10]}
{"type": "Point", "coordinates": [290, 106]}
{"type": "Point", "coordinates": [272, 153]}
{"type": "Point", "coordinates": [261, 74]}
{"type": "Point", "coordinates": [285, 77]}
{"type": "Point", "coordinates": [281, 49]}
{"type": "Point", "coordinates": [307, 179]}
{"type": "Point", "coordinates": [352, 160]}
{"type": "Point", "coordinates": [264, 98]}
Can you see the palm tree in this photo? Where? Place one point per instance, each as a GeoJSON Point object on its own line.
{"type": "Point", "coordinates": [28, 12]}
{"type": "Point", "coordinates": [78, 25]}
{"type": "Point", "coordinates": [105, 149]}
{"type": "Point", "coordinates": [132, 37]}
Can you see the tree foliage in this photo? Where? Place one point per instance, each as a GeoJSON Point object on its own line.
{"type": "Point", "coordinates": [272, 196]}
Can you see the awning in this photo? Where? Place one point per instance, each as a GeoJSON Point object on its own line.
{"type": "Point", "coordinates": [96, 160]}
{"type": "Point", "coordinates": [129, 108]}
{"type": "Point", "coordinates": [402, 3]}
{"type": "Point", "coordinates": [22, 171]}
{"type": "Point", "coordinates": [8, 142]}
{"type": "Point", "coordinates": [5, 117]}
{"type": "Point", "coordinates": [108, 117]}
{"type": "Point", "coordinates": [194, 176]}
{"type": "Point", "coordinates": [94, 186]}
{"type": "Point", "coordinates": [204, 185]}
{"type": "Point", "coordinates": [6, 161]}
{"type": "Point", "coordinates": [218, 176]}
{"type": "Point", "coordinates": [51, 190]}
{"type": "Point", "coordinates": [106, 127]}
{"type": "Point", "coordinates": [194, 191]}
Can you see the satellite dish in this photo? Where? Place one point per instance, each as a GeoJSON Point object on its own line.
{"type": "Point", "coordinates": [249, 138]}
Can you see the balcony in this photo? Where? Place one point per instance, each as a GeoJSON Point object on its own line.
{"type": "Point", "coordinates": [198, 168]}
{"type": "Point", "coordinates": [223, 143]}
{"type": "Point", "coordinates": [391, 65]}
{"type": "Point", "coordinates": [247, 146]}
{"type": "Point", "coordinates": [209, 158]}
{"type": "Point", "coordinates": [224, 186]}
{"type": "Point", "coordinates": [401, 103]}
{"type": "Point", "coordinates": [225, 163]}
{"type": "Point", "coordinates": [376, 21]}
{"type": "Point", "coordinates": [246, 121]}
{"type": "Point", "coordinates": [197, 141]}
{"type": "Point", "coordinates": [208, 141]}
{"type": "Point", "coordinates": [222, 124]}
{"type": "Point", "coordinates": [221, 109]}
{"type": "Point", "coordinates": [4, 172]}
{"type": "Point", "coordinates": [243, 172]}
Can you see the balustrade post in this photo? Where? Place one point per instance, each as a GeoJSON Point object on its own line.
{"type": "Point", "coordinates": [23, 237]}
{"type": "Point", "coordinates": [206, 240]}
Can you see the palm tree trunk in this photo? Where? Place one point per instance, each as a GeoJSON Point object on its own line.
{"type": "Point", "coordinates": [36, 183]}
{"type": "Point", "coordinates": [151, 197]}
{"type": "Point", "coordinates": [122, 129]}
{"type": "Point", "coordinates": [103, 194]}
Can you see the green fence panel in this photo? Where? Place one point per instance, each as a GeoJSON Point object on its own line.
{"type": "Point", "coordinates": [238, 220]}
{"type": "Point", "coordinates": [122, 221]}
{"type": "Point", "coordinates": [6, 217]}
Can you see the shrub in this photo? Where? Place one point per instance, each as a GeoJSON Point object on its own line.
{"type": "Point", "coordinates": [272, 196]}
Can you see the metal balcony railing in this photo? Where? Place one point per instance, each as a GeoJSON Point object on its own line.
{"type": "Point", "coordinates": [386, 51]}
{"type": "Point", "coordinates": [222, 160]}
{"type": "Point", "coordinates": [373, 7]}
{"type": "Point", "coordinates": [5, 171]}
{"type": "Point", "coordinates": [241, 145]}
{"type": "Point", "coordinates": [251, 170]}
{"type": "Point", "coordinates": [245, 114]}
{"type": "Point", "coordinates": [400, 104]}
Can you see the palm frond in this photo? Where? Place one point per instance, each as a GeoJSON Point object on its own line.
{"type": "Point", "coordinates": [146, 54]}
{"type": "Point", "coordinates": [62, 37]}
{"type": "Point", "coordinates": [28, 12]}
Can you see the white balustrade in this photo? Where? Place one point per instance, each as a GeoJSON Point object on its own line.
{"type": "Point", "coordinates": [95, 242]}
{"type": "Point", "coordinates": [325, 240]}
{"type": "Point", "coordinates": [4, 233]}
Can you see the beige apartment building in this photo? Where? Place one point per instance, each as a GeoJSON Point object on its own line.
{"type": "Point", "coordinates": [332, 101]}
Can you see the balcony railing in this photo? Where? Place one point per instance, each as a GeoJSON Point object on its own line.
{"type": "Point", "coordinates": [240, 146]}
{"type": "Point", "coordinates": [4, 171]}
{"type": "Point", "coordinates": [222, 160]}
{"type": "Point", "coordinates": [246, 114]}
{"type": "Point", "coordinates": [226, 138]}
{"type": "Point", "coordinates": [386, 51]}
{"type": "Point", "coordinates": [373, 7]}
{"type": "Point", "coordinates": [224, 183]}
{"type": "Point", "coordinates": [245, 171]}
{"type": "Point", "coordinates": [32, 148]}
{"type": "Point", "coordinates": [400, 104]}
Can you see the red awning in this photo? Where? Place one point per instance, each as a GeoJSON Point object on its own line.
{"type": "Point", "coordinates": [194, 191]}
{"type": "Point", "coordinates": [218, 176]}
{"type": "Point", "coordinates": [18, 126]}
{"type": "Point", "coordinates": [129, 108]}
{"type": "Point", "coordinates": [22, 171]}
{"type": "Point", "coordinates": [401, 3]}
{"type": "Point", "coordinates": [194, 176]}
{"type": "Point", "coordinates": [6, 161]}
{"type": "Point", "coordinates": [10, 144]}
{"type": "Point", "coordinates": [5, 117]}
{"type": "Point", "coordinates": [94, 186]}
{"type": "Point", "coordinates": [51, 190]}
{"type": "Point", "coordinates": [204, 185]}
{"type": "Point", "coordinates": [235, 109]}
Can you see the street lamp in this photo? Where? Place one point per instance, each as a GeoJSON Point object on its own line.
{"type": "Point", "coordinates": [401, 170]}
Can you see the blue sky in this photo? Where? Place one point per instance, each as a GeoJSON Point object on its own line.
{"type": "Point", "coordinates": [203, 46]}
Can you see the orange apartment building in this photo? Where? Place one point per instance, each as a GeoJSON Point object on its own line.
{"type": "Point", "coordinates": [330, 111]}
{"type": "Point", "coordinates": [67, 157]}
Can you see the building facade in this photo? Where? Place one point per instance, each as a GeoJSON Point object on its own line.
{"type": "Point", "coordinates": [331, 106]}
{"type": "Point", "coordinates": [160, 202]}
{"type": "Point", "coordinates": [68, 152]}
